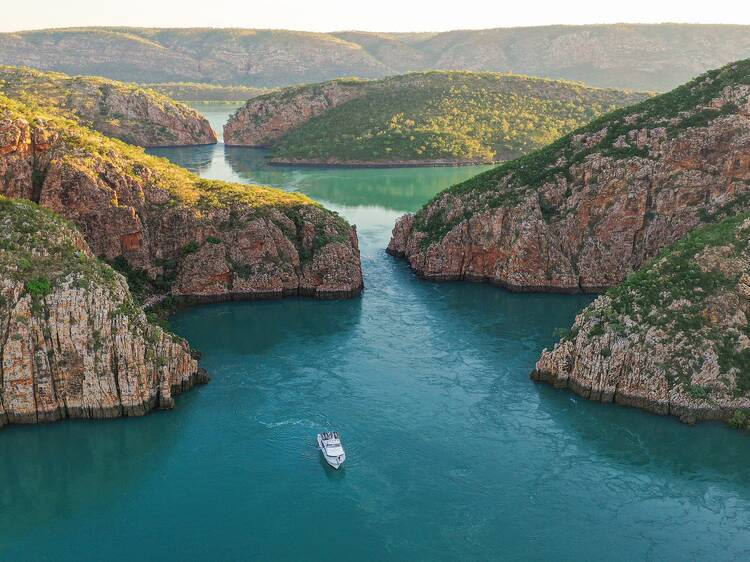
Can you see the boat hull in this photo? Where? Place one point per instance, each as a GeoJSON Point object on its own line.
{"type": "Point", "coordinates": [335, 462]}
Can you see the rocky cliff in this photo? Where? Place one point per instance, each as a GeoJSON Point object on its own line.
{"type": "Point", "coordinates": [422, 118]}
{"type": "Point", "coordinates": [171, 232]}
{"type": "Point", "coordinates": [673, 338]}
{"type": "Point", "coordinates": [267, 118]}
{"type": "Point", "coordinates": [73, 344]}
{"type": "Point", "coordinates": [124, 111]}
{"type": "Point", "coordinates": [582, 213]}
{"type": "Point", "coordinates": [641, 57]}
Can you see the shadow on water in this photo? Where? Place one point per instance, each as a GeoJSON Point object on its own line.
{"type": "Point", "coordinates": [266, 324]}
{"type": "Point", "coordinates": [627, 437]}
{"type": "Point", "coordinates": [197, 159]}
{"type": "Point", "coordinates": [332, 473]}
{"type": "Point", "coordinates": [108, 457]}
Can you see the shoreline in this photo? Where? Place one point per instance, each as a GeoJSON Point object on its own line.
{"type": "Point", "coordinates": [303, 163]}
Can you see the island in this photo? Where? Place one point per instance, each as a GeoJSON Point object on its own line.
{"type": "Point", "coordinates": [418, 119]}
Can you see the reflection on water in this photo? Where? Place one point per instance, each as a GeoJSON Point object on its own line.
{"type": "Point", "coordinates": [398, 189]}
{"type": "Point", "coordinates": [452, 452]}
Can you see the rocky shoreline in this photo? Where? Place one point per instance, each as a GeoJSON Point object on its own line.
{"type": "Point", "coordinates": [672, 339]}
{"type": "Point", "coordinates": [171, 232]}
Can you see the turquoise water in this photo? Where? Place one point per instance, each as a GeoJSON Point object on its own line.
{"type": "Point", "coordinates": [452, 452]}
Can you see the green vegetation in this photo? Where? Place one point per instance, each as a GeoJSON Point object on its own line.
{"type": "Point", "coordinates": [453, 116]}
{"type": "Point", "coordinates": [39, 250]}
{"type": "Point", "coordinates": [206, 93]}
{"type": "Point", "coordinates": [505, 185]}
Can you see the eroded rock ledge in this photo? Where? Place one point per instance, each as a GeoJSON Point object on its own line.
{"type": "Point", "coordinates": [265, 119]}
{"type": "Point", "coordinates": [73, 344]}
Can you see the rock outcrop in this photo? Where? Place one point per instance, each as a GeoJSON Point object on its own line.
{"type": "Point", "coordinates": [582, 213]}
{"type": "Point", "coordinates": [267, 118]}
{"type": "Point", "coordinates": [73, 344]}
{"type": "Point", "coordinates": [673, 338]}
{"type": "Point", "coordinates": [171, 232]}
{"type": "Point", "coordinates": [124, 111]}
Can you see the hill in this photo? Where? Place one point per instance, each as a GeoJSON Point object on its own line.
{"type": "Point", "coordinates": [125, 111]}
{"type": "Point", "coordinates": [419, 118]}
{"type": "Point", "coordinates": [73, 341]}
{"type": "Point", "coordinates": [172, 233]}
{"type": "Point", "coordinates": [671, 339]}
{"type": "Point", "coordinates": [629, 56]}
{"type": "Point", "coordinates": [583, 212]}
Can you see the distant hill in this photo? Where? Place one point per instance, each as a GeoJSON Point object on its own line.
{"type": "Point", "coordinates": [635, 56]}
{"type": "Point", "coordinates": [200, 92]}
{"type": "Point", "coordinates": [419, 118]}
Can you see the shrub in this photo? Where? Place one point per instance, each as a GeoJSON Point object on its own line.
{"type": "Point", "coordinates": [39, 287]}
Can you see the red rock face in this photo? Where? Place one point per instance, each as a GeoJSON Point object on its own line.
{"type": "Point", "coordinates": [207, 254]}
{"type": "Point", "coordinates": [268, 118]}
{"type": "Point", "coordinates": [590, 229]}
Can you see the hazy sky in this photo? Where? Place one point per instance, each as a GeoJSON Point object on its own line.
{"type": "Point", "coordinates": [372, 15]}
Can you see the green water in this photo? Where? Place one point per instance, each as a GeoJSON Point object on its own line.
{"type": "Point", "coordinates": [453, 453]}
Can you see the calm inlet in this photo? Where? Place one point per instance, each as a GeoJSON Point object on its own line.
{"type": "Point", "coordinates": [453, 453]}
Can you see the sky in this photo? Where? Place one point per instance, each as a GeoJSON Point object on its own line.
{"type": "Point", "coordinates": [371, 15]}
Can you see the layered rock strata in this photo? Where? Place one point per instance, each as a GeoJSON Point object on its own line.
{"type": "Point", "coordinates": [73, 343]}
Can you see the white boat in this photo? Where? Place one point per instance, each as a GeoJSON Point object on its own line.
{"type": "Point", "coordinates": [331, 447]}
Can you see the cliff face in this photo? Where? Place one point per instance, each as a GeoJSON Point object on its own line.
{"type": "Point", "coordinates": [124, 111]}
{"type": "Point", "coordinates": [673, 338]}
{"type": "Point", "coordinates": [267, 118]}
{"type": "Point", "coordinates": [642, 57]}
{"type": "Point", "coordinates": [597, 204]}
{"type": "Point", "coordinates": [171, 232]}
{"type": "Point", "coordinates": [73, 344]}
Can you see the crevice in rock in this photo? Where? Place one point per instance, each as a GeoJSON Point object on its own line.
{"type": "Point", "coordinates": [116, 367]}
